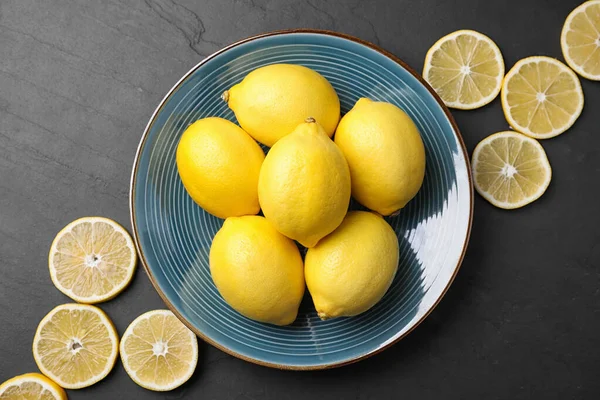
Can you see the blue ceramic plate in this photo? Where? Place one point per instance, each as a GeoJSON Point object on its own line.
{"type": "Point", "coordinates": [173, 234]}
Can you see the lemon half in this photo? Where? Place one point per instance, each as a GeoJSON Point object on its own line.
{"type": "Point", "coordinates": [92, 260]}
{"type": "Point", "coordinates": [510, 170]}
{"type": "Point", "coordinates": [541, 97]}
{"type": "Point", "coordinates": [465, 68]}
{"type": "Point", "coordinates": [580, 40]}
{"type": "Point", "coordinates": [159, 352]}
{"type": "Point", "coordinates": [31, 386]}
{"type": "Point", "coordinates": [75, 345]}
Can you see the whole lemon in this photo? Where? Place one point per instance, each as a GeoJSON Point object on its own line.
{"type": "Point", "coordinates": [272, 100]}
{"type": "Point", "coordinates": [257, 270]}
{"type": "Point", "coordinates": [304, 184]}
{"type": "Point", "coordinates": [385, 154]}
{"type": "Point", "coordinates": [350, 270]}
{"type": "Point", "coordinates": [219, 165]}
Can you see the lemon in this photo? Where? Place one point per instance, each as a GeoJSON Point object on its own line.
{"type": "Point", "coordinates": [465, 68]}
{"type": "Point", "coordinates": [271, 101]}
{"type": "Point", "coordinates": [219, 164]}
{"type": "Point", "coordinates": [92, 260]}
{"type": "Point", "coordinates": [159, 352]}
{"type": "Point", "coordinates": [510, 170]}
{"type": "Point", "coordinates": [32, 386]}
{"type": "Point", "coordinates": [350, 270]}
{"type": "Point", "coordinates": [580, 40]}
{"type": "Point", "coordinates": [385, 154]}
{"type": "Point", "coordinates": [257, 270]}
{"type": "Point", "coordinates": [304, 184]}
{"type": "Point", "coordinates": [541, 97]}
{"type": "Point", "coordinates": [75, 345]}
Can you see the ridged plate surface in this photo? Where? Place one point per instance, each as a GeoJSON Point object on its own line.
{"type": "Point", "coordinates": [173, 234]}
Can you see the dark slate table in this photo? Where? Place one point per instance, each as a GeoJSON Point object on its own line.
{"type": "Point", "coordinates": [78, 82]}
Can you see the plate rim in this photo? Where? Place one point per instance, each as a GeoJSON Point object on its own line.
{"type": "Point", "coordinates": [142, 142]}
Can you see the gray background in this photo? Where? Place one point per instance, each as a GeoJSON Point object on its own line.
{"type": "Point", "coordinates": [78, 83]}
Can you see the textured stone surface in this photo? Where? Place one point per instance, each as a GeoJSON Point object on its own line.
{"type": "Point", "coordinates": [78, 82]}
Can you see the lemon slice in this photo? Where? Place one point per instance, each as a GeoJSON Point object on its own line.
{"type": "Point", "coordinates": [75, 345]}
{"type": "Point", "coordinates": [465, 68]}
{"type": "Point", "coordinates": [510, 170]}
{"type": "Point", "coordinates": [31, 386]}
{"type": "Point", "coordinates": [158, 351]}
{"type": "Point", "coordinates": [541, 97]}
{"type": "Point", "coordinates": [92, 260]}
{"type": "Point", "coordinates": [580, 40]}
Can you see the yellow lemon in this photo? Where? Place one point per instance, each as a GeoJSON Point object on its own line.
{"type": "Point", "coordinates": [350, 270]}
{"type": "Point", "coordinates": [32, 386]}
{"type": "Point", "coordinates": [75, 345]}
{"type": "Point", "coordinates": [257, 270]}
{"type": "Point", "coordinates": [159, 352]}
{"type": "Point", "coordinates": [465, 68]}
{"type": "Point", "coordinates": [580, 40]}
{"type": "Point", "coordinates": [272, 100]}
{"type": "Point", "coordinates": [541, 97]}
{"type": "Point", "coordinates": [219, 165]}
{"type": "Point", "coordinates": [385, 154]}
{"type": "Point", "coordinates": [304, 184]}
{"type": "Point", "coordinates": [510, 170]}
{"type": "Point", "coordinates": [92, 260]}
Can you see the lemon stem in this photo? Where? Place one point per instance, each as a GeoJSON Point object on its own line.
{"type": "Point", "coordinates": [310, 120]}
{"type": "Point", "coordinates": [225, 96]}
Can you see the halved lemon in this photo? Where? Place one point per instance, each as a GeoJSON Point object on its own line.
{"type": "Point", "coordinates": [541, 97]}
{"type": "Point", "coordinates": [32, 386]}
{"type": "Point", "coordinates": [510, 170]}
{"type": "Point", "coordinates": [92, 260]}
{"type": "Point", "coordinates": [158, 351]}
{"type": "Point", "coordinates": [465, 68]}
{"type": "Point", "coordinates": [580, 40]}
{"type": "Point", "coordinates": [75, 345]}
